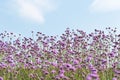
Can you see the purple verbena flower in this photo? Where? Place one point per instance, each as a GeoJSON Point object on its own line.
{"type": "Point", "coordinates": [1, 78]}
{"type": "Point", "coordinates": [114, 78]}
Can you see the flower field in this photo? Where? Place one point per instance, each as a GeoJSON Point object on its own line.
{"type": "Point", "coordinates": [75, 55]}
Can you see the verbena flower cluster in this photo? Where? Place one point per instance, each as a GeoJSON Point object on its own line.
{"type": "Point", "coordinates": [75, 55]}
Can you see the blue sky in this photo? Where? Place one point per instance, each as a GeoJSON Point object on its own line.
{"type": "Point", "coordinates": [52, 17]}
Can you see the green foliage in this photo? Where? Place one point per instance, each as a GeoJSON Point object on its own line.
{"type": "Point", "coordinates": [37, 74]}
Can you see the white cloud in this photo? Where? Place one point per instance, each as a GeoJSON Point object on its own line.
{"type": "Point", "coordinates": [105, 5]}
{"type": "Point", "coordinates": [33, 9]}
